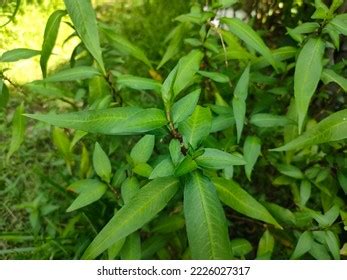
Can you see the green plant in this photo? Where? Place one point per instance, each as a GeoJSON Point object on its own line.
{"type": "Point", "coordinates": [173, 157]}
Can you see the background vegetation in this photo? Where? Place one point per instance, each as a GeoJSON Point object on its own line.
{"type": "Point", "coordinates": [303, 190]}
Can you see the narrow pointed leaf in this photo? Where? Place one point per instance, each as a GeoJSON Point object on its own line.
{"type": "Point", "coordinates": [231, 194]}
{"type": "Point", "coordinates": [205, 220]}
{"type": "Point", "coordinates": [197, 127]}
{"type": "Point", "coordinates": [184, 107]}
{"type": "Point", "coordinates": [269, 120]}
{"type": "Point", "coordinates": [265, 246]}
{"type": "Point", "coordinates": [18, 130]}
{"type": "Point", "coordinates": [101, 163]}
{"type": "Point", "coordinates": [150, 200]}
{"type": "Point", "coordinates": [89, 191]}
{"type": "Point", "coordinates": [251, 152]}
{"type": "Point", "coordinates": [115, 121]}
{"type": "Point", "coordinates": [332, 128]}
{"type": "Point", "coordinates": [143, 149]}
{"type": "Point", "coordinates": [250, 37]}
{"type": "Point", "coordinates": [73, 74]}
{"type": "Point", "coordinates": [131, 249]}
{"type": "Point", "coordinates": [4, 94]}
{"type": "Point", "coordinates": [239, 101]}
{"type": "Point", "coordinates": [187, 68]}
{"type": "Point", "coordinates": [304, 245]}
{"type": "Point", "coordinates": [217, 159]}
{"type": "Point", "coordinates": [215, 76]}
{"type": "Point", "coordinates": [49, 38]}
{"type": "Point", "coordinates": [333, 244]}
{"type": "Point", "coordinates": [18, 54]}
{"type": "Point", "coordinates": [307, 74]}
{"type": "Point", "coordinates": [83, 18]}
{"type": "Point", "coordinates": [138, 83]}
{"type": "Point", "coordinates": [329, 76]}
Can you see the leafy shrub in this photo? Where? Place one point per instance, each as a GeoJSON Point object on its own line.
{"type": "Point", "coordinates": [222, 149]}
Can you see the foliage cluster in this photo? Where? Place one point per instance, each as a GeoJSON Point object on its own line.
{"type": "Point", "coordinates": [205, 144]}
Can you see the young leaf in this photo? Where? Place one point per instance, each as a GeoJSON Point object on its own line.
{"type": "Point", "coordinates": [73, 74]}
{"type": "Point", "coordinates": [186, 166]}
{"type": "Point", "coordinates": [184, 107]}
{"type": "Point", "coordinates": [89, 191]}
{"type": "Point", "coordinates": [18, 54]}
{"type": "Point", "coordinates": [250, 37]}
{"type": "Point", "coordinates": [175, 42]}
{"type": "Point", "coordinates": [131, 249]}
{"type": "Point", "coordinates": [304, 245]}
{"type": "Point", "coordinates": [197, 127]}
{"type": "Point", "coordinates": [266, 246]}
{"type": "Point", "coordinates": [329, 76]}
{"type": "Point", "coordinates": [18, 130]}
{"type": "Point", "coordinates": [217, 159]}
{"type": "Point", "coordinates": [147, 203]}
{"type": "Point", "coordinates": [205, 220]}
{"type": "Point", "coordinates": [333, 244]}
{"type": "Point", "coordinates": [49, 38]}
{"type": "Point", "coordinates": [138, 83]}
{"type": "Point", "coordinates": [290, 171]}
{"type": "Point", "coordinates": [251, 152]}
{"type": "Point", "coordinates": [269, 120]}
{"type": "Point", "coordinates": [305, 191]}
{"type": "Point", "coordinates": [175, 151]}
{"type": "Point", "coordinates": [332, 128]}
{"type": "Point", "coordinates": [187, 68]}
{"type": "Point", "coordinates": [115, 121]}
{"type": "Point", "coordinates": [240, 247]}
{"type": "Point", "coordinates": [83, 18]}
{"type": "Point", "coordinates": [307, 74]}
{"type": "Point", "coordinates": [62, 142]}
{"type": "Point", "coordinates": [129, 189]}
{"type": "Point", "coordinates": [163, 169]}
{"type": "Point", "coordinates": [101, 163]}
{"type": "Point", "coordinates": [339, 22]}
{"type": "Point", "coordinates": [143, 149]}
{"type": "Point", "coordinates": [239, 101]}
{"type": "Point", "coordinates": [166, 89]}
{"type": "Point", "coordinates": [231, 194]}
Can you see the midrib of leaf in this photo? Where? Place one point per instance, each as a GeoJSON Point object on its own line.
{"type": "Point", "coordinates": [208, 222]}
{"type": "Point", "coordinates": [123, 222]}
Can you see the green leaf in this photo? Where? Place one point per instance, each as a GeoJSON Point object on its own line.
{"type": "Point", "coordinates": [169, 224]}
{"type": "Point", "coordinates": [175, 43]}
{"type": "Point", "coordinates": [197, 127]}
{"type": "Point", "coordinates": [143, 149]}
{"type": "Point", "coordinates": [239, 101]}
{"type": "Point", "coordinates": [115, 249]}
{"type": "Point", "coordinates": [186, 166]}
{"type": "Point", "coordinates": [125, 46]}
{"type": "Point", "coordinates": [49, 38]}
{"type": "Point", "coordinates": [251, 152]}
{"type": "Point", "coordinates": [62, 142]}
{"type": "Point", "coordinates": [269, 120]}
{"type": "Point", "coordinates": [339, 23]}
{"type": "Point", "coordinates": [166, 90]}
{"type": "Point", "coordinates": [217, 159]}
{"type": "Point", "coordinates": [307, 74]}
{"type": "Point", "coordinates": [333, 244]}
{"type": "Point", "coordinates": [305, 191]}
{"type": "Point", "coordinates": [280, 54]}
{"type": "Point", "coordinates": [304, 245]}
{"type": "Point", "coordinates": [114, 121]}
{"type": "Point", "coordinates": [175, 151]}
{"type": "Point", "coordinates": [184, 107]}
{"type": "Point", "coordinates": [18, 54]}
{"type": "Point", "coordinates": [131, 249]}
{"type": "Point", "coordinates": [222, 122]}
{"type": "Point", "coordinates": [231, 194]}
{"type": "Point", "coordinates": [332, 128]}
{"type": "Point", "coordinates": [4, 94]}
{"type": "Point", "coordinates": [240, 247]}
{"type": "Point", "coordinates": [215, 76]}
{"type": "Point", "coordinates": [129, 189]}
{"type": "Point", "coordinates": [290, 171]}
{"type": "Point", "coordinates": [265, 246]}
{"type": "Point", "coordinates": [329, 76]}
{"type": "Point", "coordinates": [163, 169]}
{"type": "Point", "coordinates": [101, 163]}
{"type": "Point", "coordinates": [73, 74]}
{"type": "Point", "coordinates": [142, 208]}
{"type": "Point", "coordinates": [83, 18]}
{"type": "Point", "coordinates": [205, 220]}
{"type": "Point", "coordinates": [138, 83]}
{"type": "Point", "coordinates": [250, 37]}
{"type": "Point", "coordinates": [46, 89]}
{"type": "Point", "coordinates": [89, 191]}
{"type": "Point", "coordinates": [18, 130]}
{"type": "Point", "coordinates": [187, 68]}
